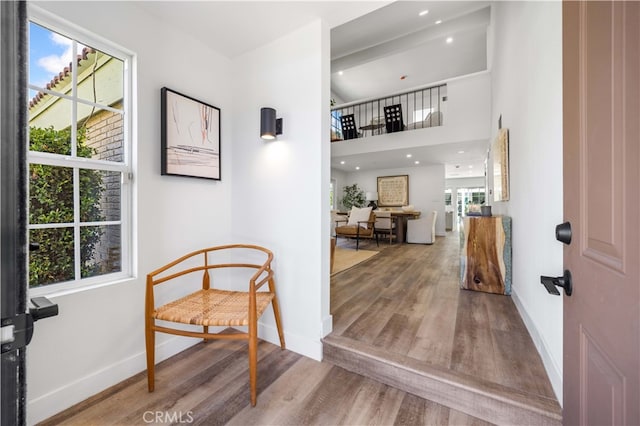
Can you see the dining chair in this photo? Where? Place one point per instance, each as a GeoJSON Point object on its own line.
{"type": "Point", "coordinates": [385, 224]}
{"type": "Point", "coordinates": [348, 124]}
{"type": "Point", "coordinates": [423, 230]}
{"type": "Point", "coordinates": [393, 118]}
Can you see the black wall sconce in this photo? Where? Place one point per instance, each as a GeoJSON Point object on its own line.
{"type": "Point", "coordinates": [270, 126]}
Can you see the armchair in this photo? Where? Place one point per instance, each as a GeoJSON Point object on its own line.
{"type": "Point", "coordinates": [360, 224]}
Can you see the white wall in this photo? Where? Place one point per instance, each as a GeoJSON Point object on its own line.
{"type": "Point", "coordinates": [98, 338]}
{"type": "Point", "coordinates": [468, 182]}
{"type": "Point", "coordinates": [426, 187]}
{"type": "Point", "coordinates": [279, 187]}
{"type": "Point", "coordinates": [341, 181]}
{"type": "Point", "coordinates": [527, 91]}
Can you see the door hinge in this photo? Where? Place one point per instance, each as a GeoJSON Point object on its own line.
{"type": "Point", "coordinates": [17, 331]}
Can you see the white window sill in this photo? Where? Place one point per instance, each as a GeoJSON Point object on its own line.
{"type": "Point", "coordinates": [64, 289]}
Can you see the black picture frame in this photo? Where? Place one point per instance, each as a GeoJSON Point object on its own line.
{"type": "Point", "coordinates": [190, 136]}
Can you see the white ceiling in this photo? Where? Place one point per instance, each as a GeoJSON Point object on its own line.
{"type": "Point", "coordinates": [415, 47]}
{"type": "Point", "coordinates": [375, 50]}
{"type": "Point", "coordinates": [455, 156]}
{"type": "Point", "coordinates": [236, 27]}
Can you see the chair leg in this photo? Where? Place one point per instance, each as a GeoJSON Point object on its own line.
{"type": "Point", "coordinates": [253, 365]}
{"type": "Point", "coordinates": [276, 312]}
{"type": "Point", "coordinates": [150, 339]}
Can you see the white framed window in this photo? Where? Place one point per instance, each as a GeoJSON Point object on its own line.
{"type": "Point", "coordinates": [79, 158]}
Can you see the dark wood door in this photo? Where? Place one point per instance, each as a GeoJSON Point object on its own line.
{"type": "Point", "coordinates": [601, 98]}
{"type": "Point", "coordinates": [13, 216]}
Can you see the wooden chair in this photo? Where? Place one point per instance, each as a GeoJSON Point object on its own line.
{"type": "Point", "coordinates": [356, 229]}
{"type": "Point", "coordinates": [385, 224]}
{"type": "Point", "coordinates": [210, 307]}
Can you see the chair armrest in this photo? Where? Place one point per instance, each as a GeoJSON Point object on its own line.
{"type": "Point", "coordinates": [342, 220]}
{"type": "Point", "coordinates": [371, 223]}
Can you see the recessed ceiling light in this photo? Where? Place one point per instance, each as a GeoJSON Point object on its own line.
{"type": "Point", "coordinates": [342, 162]}
{"type": "Point", "coordinates": [439, 21]}
{"type": "Point", "coordinates": [357, 167]}
{"type": "Point", "coordinates": [417, 162]}
{"type": "Point", "coordinates": [424, 12]}
{"type": "Point", "coordinates": [471, 167]}
{"type": "Point", "coordinates": [408, 155]}
{"type": "Point", "coordinates": [449, 40]}
{"type": "Point", "coordinates": [460, 152]}
{"type": "Point", "coordinates": [340, 72]}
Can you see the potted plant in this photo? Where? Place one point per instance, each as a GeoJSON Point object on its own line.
{"type": "Point", "coordinates": [353, 196]}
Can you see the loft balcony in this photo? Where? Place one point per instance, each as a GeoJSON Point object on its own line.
{"type": "Point", "coordinates": [456, 111]}
{"type": "Point", "coordinates": [417, 109]}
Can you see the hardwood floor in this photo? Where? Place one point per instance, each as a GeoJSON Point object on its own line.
{"type": "Point", "coordinates": [208, 384]}
{"type": "Point", "coordinates": [403, 308]}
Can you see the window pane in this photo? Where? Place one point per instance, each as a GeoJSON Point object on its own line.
{"type": "Point", "coordinates": [100, 78]}
{"type": "Point", "coordinates": [100, 195]}
{"type": "Point", "coordinates": [53, 261]}
{"type": "Point", "coordinates": [100, 248]}
{"type": "Point", "coordinates": [49, 59]}
{"type": "Point", "coordinates": [76, 106]}
{"type": "Point", "coordinates": [100, 134]}
{"type": "Point", "coordinates": [50, 125]}
{"type": "Point", "coordinates": [50, 194]}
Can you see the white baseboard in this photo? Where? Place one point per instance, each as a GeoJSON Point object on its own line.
{"type": "Point", "coordinates": [45, 406]}
{"type": "Point", "coordinates": [327, 325]}
{"type": "Point", "coordinates": [555, 377]}
{"type": "Point", "coordinates": [295, 343]}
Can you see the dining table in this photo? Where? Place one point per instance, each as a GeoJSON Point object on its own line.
{"type": "Point", "coordinates": [402, 216]}
{"type": "Point", "coordinates": [374, 128]}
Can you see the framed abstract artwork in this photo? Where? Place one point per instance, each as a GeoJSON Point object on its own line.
{"type": "Point", "coordinates": [190, 136]}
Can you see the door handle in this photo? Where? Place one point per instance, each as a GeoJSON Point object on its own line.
{"type": "Point", "coordinates": [16, 332]}
{"type": "Point", "coordinates": [563, 233]}
{"type": "Point", "coordinates": [550, 283]}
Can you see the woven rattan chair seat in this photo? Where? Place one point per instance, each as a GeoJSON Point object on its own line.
{"type": "Point", "coordinates": [213, 308]}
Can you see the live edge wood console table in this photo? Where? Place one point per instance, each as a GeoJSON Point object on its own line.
{"type": "Point", "coordinates": [485, 254]}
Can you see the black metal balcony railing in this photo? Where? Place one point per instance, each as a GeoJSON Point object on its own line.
{"type": "Point", "coordinates": [418, 109]}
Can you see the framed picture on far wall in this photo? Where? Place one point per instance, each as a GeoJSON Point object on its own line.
{"type": "Point", "coordinates": [190, 136]}
{"type": "Point", "coordinates": [393, 191]}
